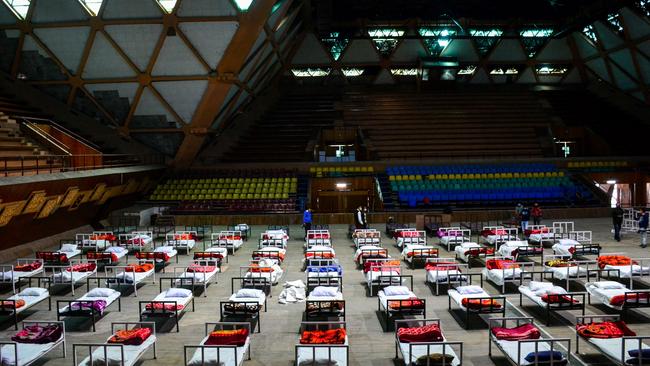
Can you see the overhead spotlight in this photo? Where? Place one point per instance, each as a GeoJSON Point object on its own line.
{"type": "Point", "coordinates": [611, 181]}
{"type": "Point", "coordinates": [341, 185]}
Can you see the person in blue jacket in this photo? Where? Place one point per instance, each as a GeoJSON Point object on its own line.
{"type": "Point", "coordinates": [643, 227]}
{"type": "Point", "coordinates": [306, 220]}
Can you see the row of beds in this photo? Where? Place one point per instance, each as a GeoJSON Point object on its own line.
{"type": "Point", "coordinates": [325, 307]}
{"type": "Point", "coordinates": [508, 260]}
{"type": "Point", "coordinates": [129, 340]}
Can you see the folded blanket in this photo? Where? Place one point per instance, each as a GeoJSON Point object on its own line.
{"type": "Point", "coordinates": [322, 255]}
{"type": "Point", "coordinates": [131, 337]}
{"type": "Point", "coordinates": [185, 237]}
{"type": "Point", "coordinates": [235, 337]}
{"type": "Point", "coordinates": [242, 307]}
{"type": "Point", "coordinates": [441, 266]}
{"type": "Point", "coordinates": [614, 260]}
{"type": "Point", "coordinates": [208, 255]}
{"type": "Point", "coordinates": [153, 256]}
{"type": "Point", "coordinates": [164, 306]}
{"type": "Point", "coordinates": [427, 333]}
{"type": "Point", "coordinates": [558, 299]}
{"type": "Point", "coordinates": [560, 263]}
{"type": "Point", "coordinates": [526, 331]}
{"type": "Point", "coordinates": [112, 257]}
{"type": "Point", "coordinates": [605, 330]}
{"type": "Point", "coordinates": [422, 252]}
{"type": "Point", "coordinates": [83, 267]}
{"type": "Point", "coordinates": [88, 305]}
{"type": "Point", "coordinates": [620, 300]}
{"type": "Point", "coordinates": [52, 257]}
{"type": "Point", "coordinates": [325, 269]}
{"type": "Point", "coordinates": [475, 252]}
{"type": "Point", "coordinates": [269, 254]}
{"type": "Point", "coordinates": [381, 266]}
{"type": "Point", "coordinates": [139, 268]}
{"type": "Point", "coordinates": [332, 336]}
{"type": "Point", "coordinates": [195, 268]}
{"type": "Point", "coordinates": [28, 267]}
{"type": "Point", "coordinates": [480, 303]}
{"type": "Point", "coordinates": [107, 237]}
{"type": "Point", "coordinates": [12, 305]}
{"type": "Point", "coordinates": [500, 264]}
{"type": "Point", "coordinates": [38, 334]}
{"type": "Point", "coordinates": [410, 304]}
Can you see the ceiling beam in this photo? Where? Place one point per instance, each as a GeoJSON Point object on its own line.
{"type": "Point", "coordinates": [251, 24]}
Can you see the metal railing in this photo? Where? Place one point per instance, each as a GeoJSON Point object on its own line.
{"type": "Point", "coordinates": [45, 164]}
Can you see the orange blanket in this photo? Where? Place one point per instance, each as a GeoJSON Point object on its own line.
{"type": "Point", "coordinates": [332, 336]}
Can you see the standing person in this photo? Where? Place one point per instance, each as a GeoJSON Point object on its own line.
{"type": "Point", "coordinates": [536, 213]}
{"type": "Point", "coordinates": [643, 227]}
{"type": "Point", "coordinates": [365, 217]}
{"type": "Point", "coordinates": [524, 217]}
{"type": "Point", "coordinates": [306, 220]}
{"type": "Point", "coordinates": [518, 209]}
{"type": "Point", "coordinates": [358, 218]}
{"type": "Point", "coordinates": [617, 220]}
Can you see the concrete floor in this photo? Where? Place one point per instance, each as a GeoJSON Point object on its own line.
{"type": "Point", "coordinates": [369, 344]}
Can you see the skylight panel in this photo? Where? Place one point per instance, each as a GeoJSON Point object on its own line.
{"type": "Point", "coordinates": [335, 44]}
{"type": "Point", "coordinates": [551, 70]}
{"type": "Point", "coordinates": [167, 5]}
{"type": "Point", "coordinates": [352, 72]}
{"type": "Point", "coordinates": [504, 71]}
{"type": "Point", "coordinates": [436, 39]}
{"type": "Point", "coordinates": [644, 6]}
{"type": "Point", "coordinates": [404, 72]}
{"type": "Point", "coordinates": [536, 33]}
{"type": "Point", "coordinates": [590, 33]}
{"type": "Point", "coordinates": [311, 72]}
{"type": "Point", "coordinates": [93, 6]}
{"type": "Point", "coordinates": [614, 21]}
{"type": "Point", "coordinates": [20, 7]}
{"type": "Point", "coordinates": [243, 5]}
{"type": "Point", "coordinates": [385, 32]}
{"type": "Point", "coordinates": [467, 70]}
{"type": "Point", "coordinates": [493, 32]}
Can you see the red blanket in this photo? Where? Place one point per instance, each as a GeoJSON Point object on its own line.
{"type": "Point", "coordinates": [82, 267]}
{"type": "Point", "coordinates": [441, 266]}
{"type": "Point", "coordinates": [381, 266]}
{"type": "Point", "coordinates": [131, 337]}
{"type": "Point", "coordinates": [153, 256]}
{"type": "Point", "coordinates": [620, 300]}
{"type": "Point", "coordinates": [410, 304]}
{"type": "Point", "coordinates": [208, 255]}
{"type": "Point", "coordinates": [605, 330]}
{"type": "Point", "coordinates": [475, 252]}
{"type": "Point", "coordinates": [112, 257]}
{"type": "Point", "coordinates": [526, 331]}
{"type": "Point", "coordinates": [423, 252]}
{"type": "Point", "coordinates": [28, 267]}
{"type": "Point", "coordinates": [52, 257]}
{"type": "Point", "coordinates": [427, 333]}
{"type": "Point", "coordinates": [165, 306]}
{"type": "Point", "coordinates": [200, 269]}
{"type": "Point", "coordinates": [480, 304]}
{"type": "Point", "coordinates": [558, 299]}
{"type": "Point", "coordinates": [332, 336]}
{"type": "Point", "coordinates": [146, 267]}
{"type": "Point", "coordinates": [11, 305]}
{"type": "Point", "coordinates": [500, 264]}
{"type": "Point", "coordinates": [235, 337]}
{"type": "Point", "coordinates": [614, 260]}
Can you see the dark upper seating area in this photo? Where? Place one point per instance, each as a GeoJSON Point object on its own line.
{"type": "Point", "coordinates": [447, 124]}
{"type": "Point", "coordinates": [283, 133]}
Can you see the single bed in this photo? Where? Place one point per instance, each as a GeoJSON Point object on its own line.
{"type": "Point", "coordinates": [383, 272]}
{"type": "Point", "coordinates": [325, 300]}
{"type": "Point", "coordinates": [273, 254]}
{"type": "Point", "coordinates": [450, 237]}
{"type": "Point", "coordinates": [541, 234]}
{"type": "Point", "coordinates": [26, 299]}
{"type": "Point", "coordinates": [397, 302]}
{"type": "Point", "coordinates": [565, 268]}
{"type": "Point", "coordinates": [369, 252]}
{"type": "Point", "coordinates": [161, 256]}
{"type": "Point", "coordinates": [468, 252]}
{"type": "Point", "coordinates": [503, 270]}
{"type": "Point", "coordinates": [118, 349]}
{"type": "Point", "coordinates": [552, 298]}
{"type": "Point", "coordinates": [245, 304]}
{"type": "Point", "coordinates": [318, 237]}
{"type": "Point", "coordinates": [619, 344]}
{"type": "Point", "coordinates": [531, 349]}
{"type": "Point", "coordinates": [366, 237]}
{"type": "Point", "coordinates": [519, 249]}
{"type": "Point", "coordinates": [77, 272]}
{"type": "Point", "coordinates": [181, 240]}
{"type": "Point", "coordinates": [447, 272]}
{"type": "Point", "coordinates": [262, 268]}
{"type": "Point", "coordinates": [575, 248]}
{"type": "Point", "coordinates": [217, 348]}
{"type": "Point", "coordinates": [616, 296]}
{"type": "Point", "coordinates": [171, 303]}
{"type": "Point", "coordinates": [334, 353]}
{"type": "Point", "coordinates": [110, 255]}
{"type": "Point", "coordinates": [130, 275]}
{"type": "Point", "coordinates": [22, 351]}
{"type": "Point", "coordinates": [136, 240]}
{"type": "Point", "coordinates": [24, 268]}
{"type": "Point", "coordinates": [623, 268]}
{"type": "Point", "coordinates": [473, 299]}
{"type": "Point", "coordinates": [97, 240]}
{"type": "Point", "coordinates": [410, 236]}
{"type": "Point", "coordinates": [199, 273]}
{"type": "Point", "coordinates": [494, 235]}
{"type": "Point", "coordinates": [416, 339]}
{"type": "Point", "coordinates": [412, 253]}
{"type": "Point", "coordinates": [91, 305]}
{"type": "Point", "coordinates": [276, 238]}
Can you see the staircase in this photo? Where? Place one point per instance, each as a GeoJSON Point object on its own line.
{"type": "Point", "coordinates": [20, 155]}
{"type": "Point", "coordinates": [386, 192]}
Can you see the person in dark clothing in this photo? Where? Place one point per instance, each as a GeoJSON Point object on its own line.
{"type": "Point", "coordinates": [358, 218]}
{"type": "Point", "coordinates": [364, 215]}
{"type": "Point", "coordinates": [617, 220]}
{"type": "Point", "coordinates": [643, 227]}
{"type": "Point", "coordinates": [524, 216]}
{"type": "Point", "coordinates": [306, 220]}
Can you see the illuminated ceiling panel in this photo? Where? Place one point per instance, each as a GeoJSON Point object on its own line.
{"type": "Point", "coordinates": [20, 7]}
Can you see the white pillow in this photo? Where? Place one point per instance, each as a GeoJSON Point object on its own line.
{"type": "Point", "coordinates": [325, 291]}
{"type": "Point", "coordinates": [165, 249]}
{"type": "Point", "coordinates": [178, 292]}
{"type": "Point", "coordinates": [396, 291]}
{"type": "Point", "coordinates": [33, 291]}
{"type": "Point", "coordinates": [469, 245]}
{"type": "Point", "coordinates": [115, 250]}
{"type": "Point", "coordinates": [608, 285]}
{"type": "Point", "coordinates": [469, 290]}
{"type": "Point", "coordinates": [68, 248]}
{"type": "Point", "coordinates": [568, 242]}
{"type": "Point", "coordinates": [536, 285]}
{"type": "Point", "coordinates": [250, 293]}
{"type": "Point", "coordinates": [556, 290]}
{"type": "Point", "coordinates": [100, 292]}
